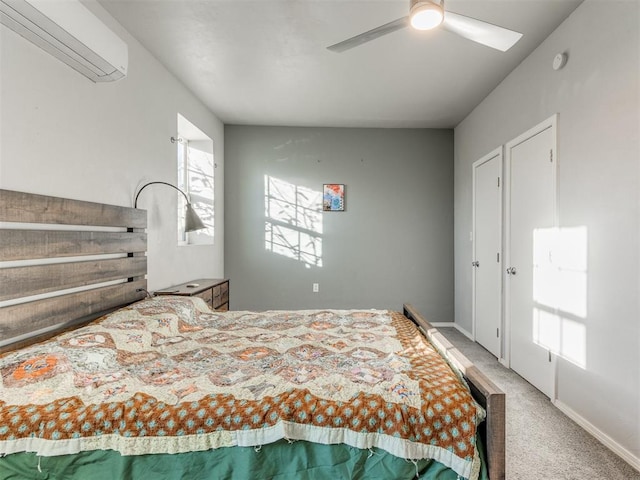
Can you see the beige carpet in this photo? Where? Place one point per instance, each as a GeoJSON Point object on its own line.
{"type": "Point", "coordinates": [542, 442]}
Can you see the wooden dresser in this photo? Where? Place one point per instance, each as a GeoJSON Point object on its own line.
{"type": "Point", "coordinates": [215, 291]}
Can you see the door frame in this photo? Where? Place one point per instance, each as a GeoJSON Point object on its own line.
{"type": "Point", "coordinates": [499, 153]}
{"type": "Point", "coordinates": [551, 123]}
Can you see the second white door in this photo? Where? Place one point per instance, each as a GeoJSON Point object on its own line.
{"type": "Point", "coordinates": [531, 167]}
{"type": "Point", "coordinates": [487, 269]}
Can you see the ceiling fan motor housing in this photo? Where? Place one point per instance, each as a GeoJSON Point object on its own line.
{"type": "Point", "coordinates": [414, 3]}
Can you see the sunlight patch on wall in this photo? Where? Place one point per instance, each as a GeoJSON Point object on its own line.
{"type": "Point", "coordinates": [560, 269]}
{"type": "Point", "coordinates": [560, 292]}
{"type": "Point", "coordinates": [293, 225]}
{"type": "Point", "coordinates": [562, 336]}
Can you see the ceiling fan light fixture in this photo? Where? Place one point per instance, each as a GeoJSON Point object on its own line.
{"type": "Point", "coordinates": [430, 14]}
{"type": "Point", "coordinates": [425, 14]}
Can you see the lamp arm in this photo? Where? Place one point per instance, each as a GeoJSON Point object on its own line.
{"type": "Point", "coordinates": [135, 202]}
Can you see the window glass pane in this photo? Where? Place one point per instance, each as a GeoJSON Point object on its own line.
{"type": "Point", "coordinates": [196, 167]}
{"type": "Point", "coordinates": [182, 185]}
{"type": "Point", "coordinates": [200, 180]}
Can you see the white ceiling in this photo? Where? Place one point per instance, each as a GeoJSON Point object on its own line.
{"type": "Point", "coordinates": [265, 62]}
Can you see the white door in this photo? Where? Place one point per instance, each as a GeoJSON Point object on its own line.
{"type": "Point", "coordinates": [531, 167]}
{"type": "Point", "coordinates": [487, 246]}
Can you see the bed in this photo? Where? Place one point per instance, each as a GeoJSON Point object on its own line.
{"type": "Point", "coordinates": [165, 387]}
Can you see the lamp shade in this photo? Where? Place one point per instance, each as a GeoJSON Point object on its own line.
{"type": "Point", "coordinates": [192, 221]}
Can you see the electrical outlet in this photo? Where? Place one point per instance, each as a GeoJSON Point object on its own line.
{"type": "Point", "coordinates": [316, 287]}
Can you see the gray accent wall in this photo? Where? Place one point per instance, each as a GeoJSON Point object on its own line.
{"type": "Point", "coordinates": [597, 99]}
{"type": "Point", "coordinates": [393, 243]}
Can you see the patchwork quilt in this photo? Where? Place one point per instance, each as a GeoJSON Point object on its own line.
{"type": "Point", "coordinates": [168, 375]}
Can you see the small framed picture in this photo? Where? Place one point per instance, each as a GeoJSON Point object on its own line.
{"type": "Point", "coordinates": [333, 197]}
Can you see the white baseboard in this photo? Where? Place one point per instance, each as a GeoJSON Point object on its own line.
{"type": "Point", "coordinates": [605, 439]}
{"type": "Point", "coordinates": [453, 325]}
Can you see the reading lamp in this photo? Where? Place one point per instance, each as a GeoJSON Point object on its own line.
{"type": "Point", "coordinates": [192, 221]}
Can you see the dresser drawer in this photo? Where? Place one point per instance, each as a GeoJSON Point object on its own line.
{"type": "Point", "coordinates": [207, 296]}
{"type": "Point", "coordinates": [223, 308]}
{"type": "Point", "coordinates": [216, 296]}
{"type": "Point", "coordinates": [214, 291]}
{"type": "Point", "coordinates": [221, 296]}
{"type": "Point", "coordinates": [224, 295]}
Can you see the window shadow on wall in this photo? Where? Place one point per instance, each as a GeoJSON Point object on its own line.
{"type": "Point", "coordinates": [293, 225]}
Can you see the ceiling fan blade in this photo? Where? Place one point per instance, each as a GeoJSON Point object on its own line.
{"type": "Point", "coordinates": [370, 35]}
{"type": "Point", "coordinates": [481, 32]}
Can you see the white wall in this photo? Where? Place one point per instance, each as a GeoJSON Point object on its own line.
{"type": "Point", "coordinates": [63, 135]}
{"type": "Point", "coordinates": [597, 98]}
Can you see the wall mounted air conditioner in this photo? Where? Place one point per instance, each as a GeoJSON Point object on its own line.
{"type": "Point", "coordinates": [69, 31]}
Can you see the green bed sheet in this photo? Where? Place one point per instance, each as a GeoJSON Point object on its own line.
{"type": "Point", "coordinates": [308, 461]}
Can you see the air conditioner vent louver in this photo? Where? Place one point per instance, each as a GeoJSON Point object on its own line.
{"type": "Point", "coordinates": [70, 32]}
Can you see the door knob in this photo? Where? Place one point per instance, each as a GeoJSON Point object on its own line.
{"type": "Point", "coordinates": [511, 271]}
{"type": "Point", "coordinates": [475, 264]}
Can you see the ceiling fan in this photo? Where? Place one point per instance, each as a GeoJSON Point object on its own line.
{"type": "Point", "coordinates": [429, 14]}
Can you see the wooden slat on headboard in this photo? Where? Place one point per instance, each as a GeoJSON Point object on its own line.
{"type": "Point", "coordinates": [38, 279]}
{"type": "Point", "coordinates": [117, 280]}
{"type": "Point", "coordinates": [27, 244]}
{"type": "Point", "coordinates": [32, 208]}
{"type": "Point", "coordinates": [24, 318]}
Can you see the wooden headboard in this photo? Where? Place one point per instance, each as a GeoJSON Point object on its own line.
{"type": "Point", "coordinates": [65, 262]}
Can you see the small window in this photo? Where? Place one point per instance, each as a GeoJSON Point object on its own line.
{"type": "Point", "coordinates": [196, 178]}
